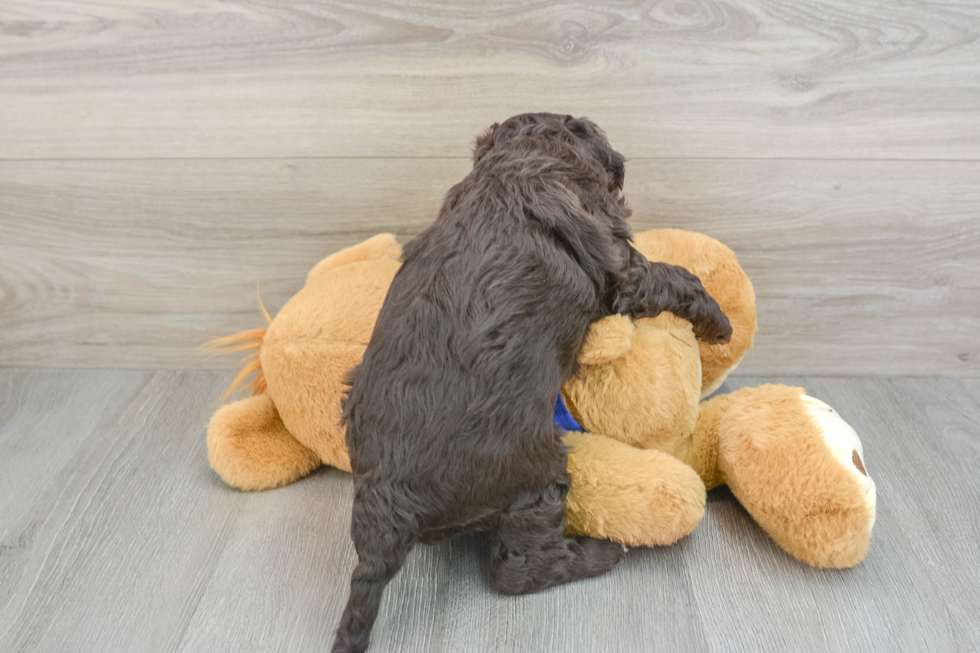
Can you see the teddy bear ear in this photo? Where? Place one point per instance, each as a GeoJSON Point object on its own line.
{"type": "Point", "coordinates": [608, 339]}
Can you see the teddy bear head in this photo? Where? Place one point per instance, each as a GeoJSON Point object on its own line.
{"type": "Point", "coordinates": [640, 381]}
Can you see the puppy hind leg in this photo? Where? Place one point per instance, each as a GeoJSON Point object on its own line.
{"type": "Point", "coordinates": [531, 553]}
{"type": "Point", "coordinates": [381, 547]}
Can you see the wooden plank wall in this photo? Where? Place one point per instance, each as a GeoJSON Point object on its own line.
{"type": "Point", "coordinates": [158, 159]}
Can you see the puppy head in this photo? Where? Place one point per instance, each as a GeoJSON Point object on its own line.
{"type": "Point", "coordinates": [553, 131]}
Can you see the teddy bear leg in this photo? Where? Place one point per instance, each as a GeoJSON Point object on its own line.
{"type": "Point", "coordinates": [798, 468]}
{"type": "Point", "coordinates": [250, 449]}
{"type": "Point", "coordinates": [639, 497]}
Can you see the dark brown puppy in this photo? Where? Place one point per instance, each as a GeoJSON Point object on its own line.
{"type": "Point", "coordinates": [449, 416]}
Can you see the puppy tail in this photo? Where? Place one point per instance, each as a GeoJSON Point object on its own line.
{"type": "Point", "coordinates": [251, 365]}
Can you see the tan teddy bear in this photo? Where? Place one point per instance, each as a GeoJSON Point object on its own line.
{"type": "Point", "coordinates": [792, 461]}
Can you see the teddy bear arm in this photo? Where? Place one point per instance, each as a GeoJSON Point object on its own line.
{"type": "Point", "coordinates": [251, 449]}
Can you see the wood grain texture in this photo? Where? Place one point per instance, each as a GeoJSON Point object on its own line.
{"type": "Point", "coordinates": [680, 78]}
{"type": "Point", "coordinates": [115, 536]}
{"type": "Point", "coordinates": [860, 267]}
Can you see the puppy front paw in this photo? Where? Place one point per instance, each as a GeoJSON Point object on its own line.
{"type": "Point", "coordinates": [711, 325]}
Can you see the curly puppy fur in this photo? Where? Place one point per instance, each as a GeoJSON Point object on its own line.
{"type": "Point", "coordinates": [449, 416]}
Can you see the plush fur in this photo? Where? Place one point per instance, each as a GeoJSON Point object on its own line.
{"type": "Point", "coordinates": [661, 351]}
{"type": "Point", "coordinates": [253, 449]}
{"type": "Point", "coordinates": [818, 509]}
{"type": "Point", "coordinates": [319, 335]}
{"type": "Point", "coordinates": [634, 496]}
{"type": "Point", "coordinates": [630, 493]}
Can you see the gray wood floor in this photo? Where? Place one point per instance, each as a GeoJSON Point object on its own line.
{"type": "Point", "coordinates": [116, 536]}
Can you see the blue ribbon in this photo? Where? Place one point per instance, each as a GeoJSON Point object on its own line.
{"type": "Point", "coordinates": [563, 418]}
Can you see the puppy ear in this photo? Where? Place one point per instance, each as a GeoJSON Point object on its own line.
{"type": "Point", "coordinates": [484, 143]}
{"type": "Point", "coordinates": [587, 240]}
{"type": "Point", "coordinates": [577, 127]}
{"type": "Point", "coordinates": [617, 168]}
{"type": "Point", "coordinates": [608, 339]}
